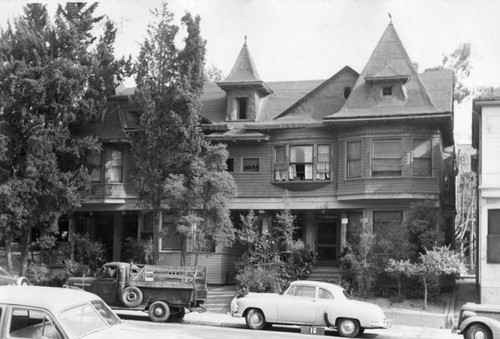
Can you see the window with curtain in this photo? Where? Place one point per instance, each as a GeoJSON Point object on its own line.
{"type": "Point", "coordinates": [94, 166]}
{"type": "Point", "coordinates": [114, 166]}
{"type": "Point", "coordinates": [354, 159]}
{"type": "Point", "coordinates": [323, 163]}
{"type": "Point", "coordinates": [280, 169]}
{"type": "Point", "coordinates": [301, 163]}
{"type": "Point", "coordinates": [422, 158]}
{"type": "Point", "coordinates": [493, 237]}
{"type": "Point", "coordinates": [386, 158]}
{"type": "Point", "coordinates": [251, 165]}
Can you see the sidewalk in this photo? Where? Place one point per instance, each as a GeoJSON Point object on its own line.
{"type": "Point", "coordinates": [396, 331]}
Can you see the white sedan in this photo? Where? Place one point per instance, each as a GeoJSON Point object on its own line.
{"type": "Point", "coordinates": [62, 313]}
{"type": "Point", "coordinates": [310, 303]}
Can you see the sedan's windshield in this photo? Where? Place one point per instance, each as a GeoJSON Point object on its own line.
{"type": "Point", "coordinates": [84, 319]}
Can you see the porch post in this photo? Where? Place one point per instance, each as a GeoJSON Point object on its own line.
{"type": "Point", "coordinates": [117, 235]}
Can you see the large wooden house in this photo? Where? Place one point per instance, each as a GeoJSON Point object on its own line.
{"type": "Point", "coordinates": [347, 153]}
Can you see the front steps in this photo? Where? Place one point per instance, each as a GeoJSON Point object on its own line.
{"type": "Point", "coordinates": [219, 298]}
{"type": "Point", "coordinates": [326, 273]}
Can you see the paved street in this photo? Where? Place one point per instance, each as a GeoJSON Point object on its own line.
{"type": "Point", "coordinates": [203, 325]}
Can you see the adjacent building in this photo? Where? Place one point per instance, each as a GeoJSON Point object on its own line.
{"type": "Point", "coordinates": [485, 139]}
{"type": "Point", "coordinates": [345, 154]}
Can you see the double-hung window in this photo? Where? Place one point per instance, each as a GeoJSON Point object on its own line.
{"type": "Point", "coordinates": [280, 169]}
{"type": "Point", "coordinates": [386, 158]}
{"type": "Point", "coordinates": [422, 158]}
{"type": "Point", "coordinates": [323, 163]}
{"type": "Point", "coordinates": [493, 237]}
{"type": "Point", "coordinates": [114, 166]}
{"type": "Point", "coordinates": [354, 159]}
{"type": "Point", "coordinates": [94, 166]}
{"type": "Point", "coordinates": [301, 162]}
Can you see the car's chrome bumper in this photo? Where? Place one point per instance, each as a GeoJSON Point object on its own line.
{"type": "Point", "coordinates": [384, 324]}
{"type": "Point", "coordinates": [236, 315]}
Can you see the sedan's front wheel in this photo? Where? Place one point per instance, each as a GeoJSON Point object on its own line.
{"type": "Point", "coordinates": [255, 319]}
{"type": "Point", "coordinates": [477, 331]}
{"type": "Point", "coordinates": [348, 327]}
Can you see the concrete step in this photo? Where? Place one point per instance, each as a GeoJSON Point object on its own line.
{"type": "Point", "coordinates": [219, 298]}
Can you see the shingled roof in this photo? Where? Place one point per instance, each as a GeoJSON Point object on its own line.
{"type": "Point", "coordinates": [389, 63]}
{"type": "Point", "coordinates": [244, 74]}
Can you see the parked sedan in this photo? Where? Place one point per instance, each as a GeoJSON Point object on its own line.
{"type": "Point", "coordinates": [479, 321]}
{"type": "Point", "coordinates": [57, 313]}
{"type": "Point", "coordinates": [310, 303]}
{"type": "Point", "coordinates": [9, 279]}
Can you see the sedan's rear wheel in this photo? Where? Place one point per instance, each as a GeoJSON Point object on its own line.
{"type": "Point", "coordinates": [348, 327]}
{"type": "Point", "coordinates": [255, 319]}
{"type": "Point", "coordinates": [477, 331]}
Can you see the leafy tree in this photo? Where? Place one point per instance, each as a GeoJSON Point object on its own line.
{"type": "Point", "coordinates": [52, 81]}
{"type": "Point", "coordinates": [422, 224]}
{"type": "Point", "coordinates": [213, 74]}
{"type": "Point", "coordinates": [459, 61]}
{"type": "Point", "coordinates": [176, 170]}
{"type": "Point", "coordinates": [435, 262]}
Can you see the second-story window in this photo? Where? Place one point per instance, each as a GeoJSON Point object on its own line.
{"type": "Point", "coordinates": [280, 169]}
{"type": "Point", "coordinates": [323, 163]}
{"type": "Point", "coordinates": [251, 165]}
{"type": "Point", "coordinates": [386, 158]}
{"type": "Point", "coordinates": [241, 106]}
{"type": "Point", "coordinates": [422, 158]}
{"type": "Point", "coordinates": [114, 166]}
{"type": "Point", "coordinates": [94, 166]}
{"type": "Point", "coordinates": [354, 159]}
{"type": "Point", "coordinates": [301, 162]}
{"type": "Point", "coordinates": [387, 90]}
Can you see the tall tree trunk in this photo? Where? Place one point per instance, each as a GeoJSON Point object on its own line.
{"type": "Point", "coordinates": [8, 253]}
{"type": "Point", "coordinates": [156, 237]}
{"type": "Point", "coordinates": [25, 249]}
{"type": "Point", "coordinates": [425, 292]}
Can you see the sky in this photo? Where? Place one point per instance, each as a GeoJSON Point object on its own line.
{"type": "Point", "coordinates": [313, 39]}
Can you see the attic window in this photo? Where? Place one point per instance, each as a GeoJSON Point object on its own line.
{"type": "Point", "coordinates": [242, 108]}
{"type": "Point", "coordinates": [387, 90]}
{"type": "Point", "coordinates": [347, 92]}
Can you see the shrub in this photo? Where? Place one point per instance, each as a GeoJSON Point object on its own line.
{"type": "Point", "coordinates": [37, 274]}
{"type": "Point", "coordinates": [87, 252]}
{"type": "Point", "coordinates": [138, 251]}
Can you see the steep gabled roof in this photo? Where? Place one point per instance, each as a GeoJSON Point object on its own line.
{"type": "Point", "coordinates": [389, 63]}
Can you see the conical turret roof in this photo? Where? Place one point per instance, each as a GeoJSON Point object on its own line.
{"type": "Point", "coordinates": [388, 64]}
{"type": "Point", "coordinates": [244, 73]}
{"type": "Point", "coordinates": [244, 69]}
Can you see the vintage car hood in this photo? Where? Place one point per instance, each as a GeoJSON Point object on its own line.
{"type": "Point", "coordinates": [481, 307]}
{"type": "Point", "coordinates": [132, 330]}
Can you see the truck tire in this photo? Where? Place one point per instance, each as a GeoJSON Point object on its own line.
{"type": "Point", "coordinates": [131, 296]}
{"type": "Point", "coordinates": [159, 311]}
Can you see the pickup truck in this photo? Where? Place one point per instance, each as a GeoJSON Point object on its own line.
{"type": "Point", "coordinates": [162, 291]}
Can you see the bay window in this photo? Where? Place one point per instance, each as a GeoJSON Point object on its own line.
{"type": "Point", "coordinates": [422, 158]}
{"type": "Point", "coordinates": [114, 166]}
{"type": "Point", "coordinates": [302, 162]}
{"type": "Point", "coordinates": [386, 158]}
{"type": "Point", "coordinates": [94, 166]}
{"type": "Point", "coordinates": [354, 159]}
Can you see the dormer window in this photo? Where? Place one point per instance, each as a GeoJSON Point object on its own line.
{"type": "Point", "coordinates": [387, 91]}
{"type": "Point", "coordinates": [241, 106]}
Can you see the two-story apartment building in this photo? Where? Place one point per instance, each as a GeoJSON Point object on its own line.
{"type": "Point", "coordinates": [485, 138]}
{"type": "Point", "coordinates": [347, 153]}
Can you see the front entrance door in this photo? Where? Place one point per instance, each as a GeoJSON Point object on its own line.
{"type": "Point", "coordinates": [327, 241]}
